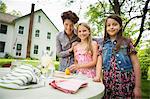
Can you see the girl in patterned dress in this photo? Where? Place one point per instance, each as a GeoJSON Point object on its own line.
{"type": "Point", "coordinates": [85, 52]}
{"type": "Point", "coordinates": [121, 69]}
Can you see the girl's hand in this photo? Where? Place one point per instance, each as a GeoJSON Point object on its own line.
{"type": "Point", "coordinates": [137, 93]}
{"type": "Point", "coordinates": [97, 79]}
{"type": "Point", "coordinates": [73, 67]}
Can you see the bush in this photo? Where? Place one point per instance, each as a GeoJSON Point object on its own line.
{"type": "Point", "coordinates": [56, 63]}
{"type": "Point", "coordinates": [144, 56]}
{"type": "Point", "coordinates": [5, 61]}
{"type": "Point", "coordinates": [8, 56]}
{"type": "Point", "coordinates": [144, 64]}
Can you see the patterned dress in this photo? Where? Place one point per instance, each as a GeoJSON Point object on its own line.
{"type": "Point", "coordinates": [118, 84]}
{"type": "Point", "coordinates": [84, 57]}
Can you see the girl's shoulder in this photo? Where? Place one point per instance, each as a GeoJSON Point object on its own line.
{"type": "Point", "coordinates": [94, 43]}
{"type": "Point", "coordinates": [76, 45]}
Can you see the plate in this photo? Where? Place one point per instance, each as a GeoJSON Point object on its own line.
{"type": "Point", "coordinates": [62, 74]}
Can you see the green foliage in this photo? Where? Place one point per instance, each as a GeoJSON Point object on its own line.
{"type": "Point", "coordinates": [144, 64]}
{"type": "Point", "coordinates": [144, 56]}
{"type": "Point", "coordinates": [3, 7]}
{"type": "Point", "coordinates": [16, 13]}
{"type": "Point", "coordinates": [145, 89]}
{"type": "Point", "coordinates": [96, 17]}
{"type": "Point", "coordinates": [5, 61]}
{"type": "Point", "coordinates": [56, 63]}
{"type": "Point", "coordinates": [97, 14]}
{"type": "Point", "coordinates": [27, 61]}
{"type": "Point", "coordinates": [8, 56]}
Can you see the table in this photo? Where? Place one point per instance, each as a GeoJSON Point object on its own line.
{"type": "Point", "coordinates": [94, 90]}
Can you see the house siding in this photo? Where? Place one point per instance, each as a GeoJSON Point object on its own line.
{"type": "Point", "coordinates": [7, 38]}
{"type": "Point", "coordinates": [12, 38]}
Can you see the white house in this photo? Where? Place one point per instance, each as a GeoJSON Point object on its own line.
{"type": "Point", "coordinates": [15, 34]}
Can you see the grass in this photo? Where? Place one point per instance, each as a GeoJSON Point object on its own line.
{"type": "Point", "coordinates": [32, 62]}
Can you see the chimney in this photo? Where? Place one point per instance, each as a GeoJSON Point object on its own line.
{"type": "Point", "coordinates": [30, 31]}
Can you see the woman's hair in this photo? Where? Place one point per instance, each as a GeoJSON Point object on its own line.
{"type": "Point", "coordinates": [120, 39]}
{"type": "Point", "coordinates": [89, 39]}
{"type": "Point", "coordinates": [70, 15]}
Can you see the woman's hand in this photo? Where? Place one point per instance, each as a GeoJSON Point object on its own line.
{"type": "Point", "coordinates": [72, 47]}
{"type": "Point", "coordinates": [137, 93]}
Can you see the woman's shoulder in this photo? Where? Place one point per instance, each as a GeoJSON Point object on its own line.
{"type": "Point", "coordinates": [60, 35]}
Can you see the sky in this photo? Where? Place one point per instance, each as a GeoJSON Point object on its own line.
{"type": "Point", "coordinates": [52, 8]}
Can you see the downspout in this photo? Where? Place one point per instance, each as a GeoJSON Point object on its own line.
{"type": "Point", "coordinates": [30, 32]}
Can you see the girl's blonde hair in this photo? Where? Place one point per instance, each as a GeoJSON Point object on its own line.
{"type": "Point", "coordinates": [89, 39]}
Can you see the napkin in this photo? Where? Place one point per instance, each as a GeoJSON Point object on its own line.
{"type": "Point", "coordinates": [68, 85]}
{"type": "Point", "coordinates": [21, 77]}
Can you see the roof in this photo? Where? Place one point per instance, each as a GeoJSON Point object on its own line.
{"type": "Point", "coordinates": [7, 18]}
{"type": "Point", "coordinates": [35, 12]}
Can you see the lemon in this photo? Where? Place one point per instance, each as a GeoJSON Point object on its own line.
{"type": "Point", "coordinates": [67, 71]}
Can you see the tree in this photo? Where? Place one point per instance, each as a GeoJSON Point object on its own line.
{"type": "Point", "coordinates": [3, 7]}
{"type": "Point", "coordinates": [15, 13]}
{"type": "Point", "coordinates": [128, 10]}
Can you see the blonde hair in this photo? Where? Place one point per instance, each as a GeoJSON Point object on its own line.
{"type": "Point", "coordinates": [89, 39]}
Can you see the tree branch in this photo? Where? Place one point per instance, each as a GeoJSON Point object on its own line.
{"type": "Point", "coordinates": [111, 3]}
{"type": "Point", "coordinates": [142, 22]}
{"type": "Point", "coordinates": [102, 5]}
{"type": "Point", "coordinates": [130, 20]}
{"type": "Point", "coordinates": [122, 3]}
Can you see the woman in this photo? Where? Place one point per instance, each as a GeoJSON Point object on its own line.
{"type": "Point", "coordinates": [65, 39]}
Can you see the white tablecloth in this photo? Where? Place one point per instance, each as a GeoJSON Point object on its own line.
{"type": "Point", "coordinates": [94, 90]}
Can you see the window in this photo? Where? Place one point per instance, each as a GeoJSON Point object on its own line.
{"type": "Point", "coordinates": [48, 48]}
{"type": "Point", "coordinates": [48, 35]}
{"type": "Point", "coordinates": [21, 29]}
{"type": "Point", "coordinates": [19, 46]}
{"type": "Point", "coordinates": [2, 46]}
{"type": "Point", "coordinates": [37, 33]}
{"type": "Point", "coordinates": [18, 49]}
{"type": "Point", "coordinates": [35, 49]}
{"type": "Point", "coordinates": [39, 19]}
{"type": "Point", "coordinates": [3, 29]}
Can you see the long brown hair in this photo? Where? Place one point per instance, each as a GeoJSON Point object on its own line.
{"type": "Point", "coordinates": [120, 39]}
{"type": "Point", "coordinates": [89, 39]}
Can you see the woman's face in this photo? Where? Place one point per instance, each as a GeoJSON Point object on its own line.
{"type": "Point", "coordinates": [112, 27]}
{"type": "Point", "coordinates": [68, 26]}
{"type": "Point", "coordinates": [83, 32]}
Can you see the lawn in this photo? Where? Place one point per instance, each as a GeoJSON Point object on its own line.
{"type": "Point", "coordinates": [32, 62]}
